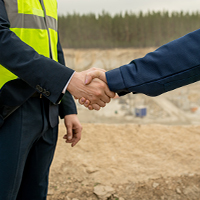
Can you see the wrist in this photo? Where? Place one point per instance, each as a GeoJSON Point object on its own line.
{"type": "Point", "coordinates": [70, 85]}
{"type": "Point", "coordinates": [65, 88]}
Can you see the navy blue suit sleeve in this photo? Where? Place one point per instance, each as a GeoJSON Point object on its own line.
{"type": "Point", "coordinates": [27, 64]}
{"type": "Point", "coordinates": [67, 105]}
{"type": "Point", "coordinates": [173, 65]}
{"type": "Point", "coordinates": [61, 58]}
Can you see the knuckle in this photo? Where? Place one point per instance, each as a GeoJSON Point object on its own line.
{"type": "Point", "coordinates": [98, 93]}
{"type": "Point", "coordinates": [102, 85]}
{"type": "Point", "coordinates": [93, 98]}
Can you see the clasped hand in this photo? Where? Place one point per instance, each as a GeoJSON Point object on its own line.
{"type": "Point", "coordinates": [91, 88]}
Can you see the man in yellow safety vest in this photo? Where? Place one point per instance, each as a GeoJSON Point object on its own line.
{"type": "Point", "coordinates": [35, 87]}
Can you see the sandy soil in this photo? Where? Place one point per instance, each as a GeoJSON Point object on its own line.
{"type": "Point", "coordinates": [123, 157]}
{"type": "Point", "coordinates": [157, 160]}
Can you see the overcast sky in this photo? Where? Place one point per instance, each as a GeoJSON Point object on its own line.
{"type": "Point", "coordinates": [116, 6]}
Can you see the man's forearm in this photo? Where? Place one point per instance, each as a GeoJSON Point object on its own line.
{"type": "Point", "coordinates": [171, 66]}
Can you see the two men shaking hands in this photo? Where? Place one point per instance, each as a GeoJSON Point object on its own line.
{"type": "Point", "coordinates": [171, 66]}
{"type": "Point", "coordinates": [91, 88]}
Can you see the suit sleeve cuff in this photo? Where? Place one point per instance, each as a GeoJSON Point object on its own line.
{"type": "Point", "coordinates": [115, 80]}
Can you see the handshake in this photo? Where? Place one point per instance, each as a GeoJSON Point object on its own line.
{"type": "Point", "coordinates": [90, 88]}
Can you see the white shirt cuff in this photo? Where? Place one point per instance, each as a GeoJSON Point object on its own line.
{"type": "Point", "coordinates": [65, 88]}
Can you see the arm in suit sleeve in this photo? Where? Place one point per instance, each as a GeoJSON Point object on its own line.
{"type": "Point", "coordinates": [28, 65]}
{"type": "Point", "coordinates": [173, 65]}
{"type": "Point", "coordinates": [67, 105]}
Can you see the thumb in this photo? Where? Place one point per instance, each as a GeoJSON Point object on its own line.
{"type": "Point", "coordinates": [95, 74]}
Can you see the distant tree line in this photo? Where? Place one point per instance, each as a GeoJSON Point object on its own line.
{"type": "Point", "coordinates": [125, 30]}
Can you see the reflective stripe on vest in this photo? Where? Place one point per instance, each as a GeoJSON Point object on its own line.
{"type": "Point", "coordinates": [35, 23]}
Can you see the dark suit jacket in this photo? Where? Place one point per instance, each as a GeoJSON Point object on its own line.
{"type": "Point", "coordinates": [171, 66]}
{"type": "Point", "coordinates": [35, 72]}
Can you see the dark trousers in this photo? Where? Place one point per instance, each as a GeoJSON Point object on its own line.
{"type": "Point", "coordinates": [27, 145]}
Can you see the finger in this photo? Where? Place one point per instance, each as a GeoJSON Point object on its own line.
{"type": "Point", "coordinates": [96, 107]}
{"type": "Point", "coordinates": [109, 93]}
{"type": "Point", "coordinates": [90, 107]}
{"type": "Point", "coordinates": [105, 98]}
{"type": "Point", "coordinates": [76, 138]}
{"type": "Point", "coordinates": [95, 74]}
{"type": "Point", "coordinates": [82, 100]}
{"type": "Point", "coordinates": [75, 142]}
{"type": "Point", "coordinates": [65, 136]}
{"type": "Point", "coordinates": [101, 103]}
{"type": "Point", "coordinates": [69, 132]}
{"type": "Point", "coordinates": [87, 103]}
{"type": "Point", "coordinates": [99, 95]}
{"type": "Point", "coordinates": [72, 140]}
{"type": "Point", "coordinates": [69, 141]}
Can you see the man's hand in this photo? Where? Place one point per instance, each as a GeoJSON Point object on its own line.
{"type": "Point", "coordinates": [74, 129]}
{"type": "Point", "coordinates": [95, 73]}
{"type": "Point", "coordinates": [90, 75]}
{"type": "Point", "coordinates": [97, 92]}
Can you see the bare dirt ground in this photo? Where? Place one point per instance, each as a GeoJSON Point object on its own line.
{"type": "Point", "coordinates": [137, 161]}
{"type": "Point", "coordinates": [122, 156]}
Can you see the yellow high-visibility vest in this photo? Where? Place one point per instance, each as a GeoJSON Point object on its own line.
{"type": "Point", "coordinates": [35, 22]}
